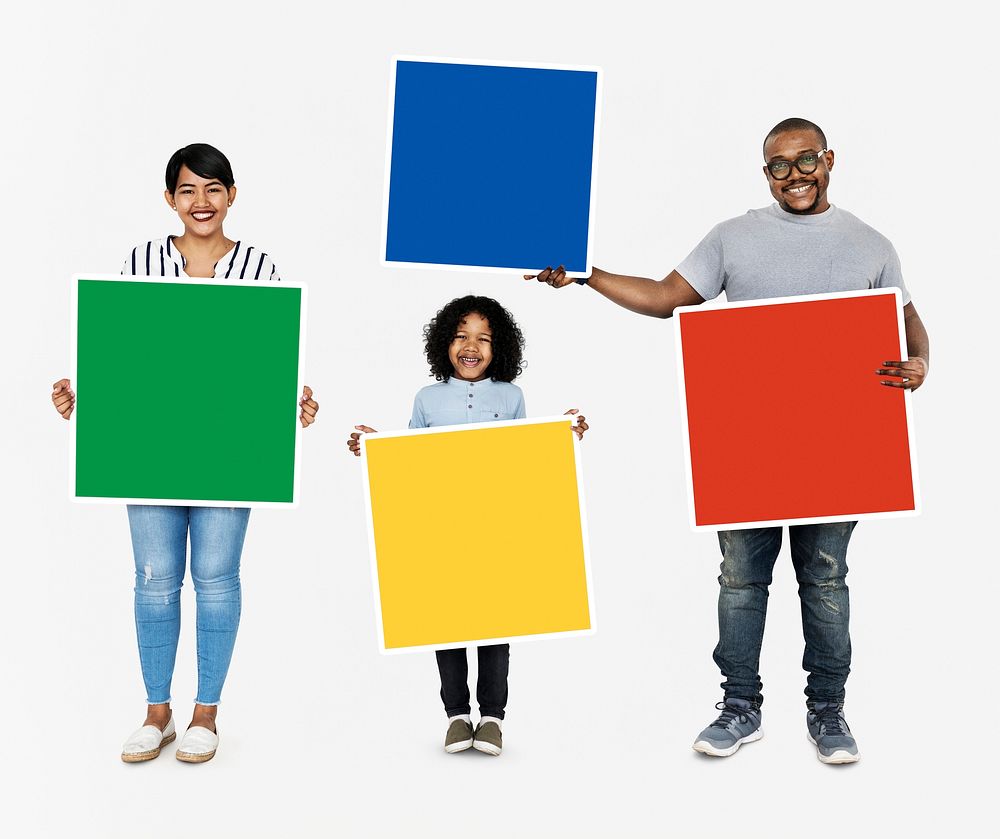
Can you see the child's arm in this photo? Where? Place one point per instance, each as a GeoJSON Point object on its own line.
{"type": "Point", "coordinates": [354, 441]}
{"type": "Point", "coordinates": [417, 420]}
{"type": "Point", "coordinates": [581, 422]}
{"type": "Point", "coordinates": [519, 411]}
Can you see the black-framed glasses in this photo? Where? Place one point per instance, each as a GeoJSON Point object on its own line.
{"type": "Point", "coordinates": [805, 163]}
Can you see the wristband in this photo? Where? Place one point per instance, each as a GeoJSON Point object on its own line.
{"type": "Point", "coordinates": [581, 280]}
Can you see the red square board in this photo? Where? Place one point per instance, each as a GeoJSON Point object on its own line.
{"type": "Point", "coordinates": [786, 421]}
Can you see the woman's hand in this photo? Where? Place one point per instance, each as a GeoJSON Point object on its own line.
{"type": "Point", "coordinates": [63, 398]}
{"type": "Point", "coordinates": [581, 422]}
{"type": "Point", "coordinates": [354, 441]}
{"type": "Point", "coordinates": [309, 406]}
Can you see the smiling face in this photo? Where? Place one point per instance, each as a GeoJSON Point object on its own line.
{"type": "Point", "coordinates": [200, 202]}
{"type": "Point", "coordinates": [798, 193]}
{"type": "Point", "coordinates": [471, 350]}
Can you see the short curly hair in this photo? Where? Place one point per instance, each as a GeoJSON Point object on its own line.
{"type": "Point", "coordinates": [508, 342]}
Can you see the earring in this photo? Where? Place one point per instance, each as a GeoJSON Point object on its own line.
{"type": "Point", "coordinates": [230, 203]}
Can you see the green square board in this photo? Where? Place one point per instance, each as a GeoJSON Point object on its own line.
{"type": "Point", "coordinates": [187, 391]}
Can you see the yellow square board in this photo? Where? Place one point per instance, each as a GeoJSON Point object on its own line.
{"type": "Point", "coordinates": [477, 534]}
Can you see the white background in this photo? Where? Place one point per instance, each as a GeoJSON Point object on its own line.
{"type": "Point", "coordinates": [321, 735]}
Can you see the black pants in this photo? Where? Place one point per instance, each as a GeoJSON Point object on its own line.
{"type": "Point", "coordinates": [491, 690]}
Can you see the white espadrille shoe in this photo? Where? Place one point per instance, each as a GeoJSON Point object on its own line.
{"type": "Point", "coordinates": [197, 745]}
{"type": "Point", "coordinates": [145, 743]}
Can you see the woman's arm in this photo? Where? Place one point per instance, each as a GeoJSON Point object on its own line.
{"type": "Point", "coordinates": [63, 398]}
{"type": "Point", "coordinates": [309, 406]}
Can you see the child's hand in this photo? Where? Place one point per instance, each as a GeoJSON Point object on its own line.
{"type": "Point", "coordinates": [63, 398]}
{"type": "Point", "coordinates": [354, 441]}
{"type": "Point", "coordinates": [581, 422]}
{"type": "Point", "coordinates": [309, 406]}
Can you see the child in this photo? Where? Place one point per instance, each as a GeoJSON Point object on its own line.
{"type": "Point", "coordinates": [474, 348]}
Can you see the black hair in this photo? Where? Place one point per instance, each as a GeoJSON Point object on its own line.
{"type": "Point", "coordinates": [202, 159]}
{"type": "Point", "coordinates": [795, 124]}
{"type": "Point", "coordinates": [508, 342]}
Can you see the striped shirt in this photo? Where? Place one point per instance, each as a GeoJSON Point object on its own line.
{"type": "Point", "coordinates": [160, 258]}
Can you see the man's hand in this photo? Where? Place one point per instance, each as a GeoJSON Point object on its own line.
{"type": "Point", "coordinates": [354, 441]}
{"type": "Point", "coordinates": [581, 422]}
{"type": "Point", "coordinates": [63, 398]}
{"type": "Point", "coordinates": [555, 277]}
{"type": "Point", "coordinates": [309, 406]}
{"type": "Point", "coordinates": [909, 374]}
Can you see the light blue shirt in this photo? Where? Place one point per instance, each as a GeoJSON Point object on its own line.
{"type": "Point", "coordinates": [455, 402]}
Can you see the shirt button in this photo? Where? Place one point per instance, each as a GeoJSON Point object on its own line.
{"type": "Point", "coordinates": [470, 406]}
{"type": "Point", "coordinates": [496, 415]}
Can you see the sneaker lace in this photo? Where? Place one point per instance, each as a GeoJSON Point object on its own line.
{"type": "Point", "coordinates": [829, 719]}
{"type": "Point", "coordinates": [729, 713]}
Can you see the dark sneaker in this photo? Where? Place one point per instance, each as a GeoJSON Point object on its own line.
{"type": "Point", "coordinates": [488, 738]}
{"type": "Point", "coordinates": [829, 733]}
{"type": "Point", "coordinates": [459, 736]}
{"type": "Point", "coordinates": [738, 723]}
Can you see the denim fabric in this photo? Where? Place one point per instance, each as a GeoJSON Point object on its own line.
{"type": "Point", "coordinates": [159, 545]}
{"type": "Point", "coordinates": [819, 556]}
{"type": "Point", "coordinates": [491, 689]}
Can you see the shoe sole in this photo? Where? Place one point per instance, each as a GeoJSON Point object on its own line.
{"type": "Point", "coordinates": [838, 757]}
{"type": "Point", "coordinates": [191, 757]}
{"type": "Point", "coordinates": [486, 748]}
{"type": "Point", "coordinates": [460, 746]}
{"type": "Point", "coordinates": [142, 757]}
{"type": "Point", "coordinates": [707, 748]}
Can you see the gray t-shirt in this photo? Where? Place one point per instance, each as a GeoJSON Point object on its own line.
{"type": "Point", "coordinates": [772, 253]}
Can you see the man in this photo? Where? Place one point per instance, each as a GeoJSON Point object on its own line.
{"type": "Point", "coordinates": [800, 245]}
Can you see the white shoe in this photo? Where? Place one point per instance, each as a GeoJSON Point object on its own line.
{"type": "Point", "coordinates": [197, 745]}
{"type": "Point", "coordinates": [145, 743]}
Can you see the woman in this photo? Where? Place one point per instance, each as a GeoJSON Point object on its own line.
{"type": "Point", "coordinates": [200, 188]}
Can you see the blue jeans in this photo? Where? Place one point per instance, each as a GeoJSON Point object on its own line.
{"type": "Point", "coordinates": [819, 556]}
{"type": "Point", "coordinates": [159, 544]}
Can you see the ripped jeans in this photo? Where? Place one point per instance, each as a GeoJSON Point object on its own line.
{"type": "Point", "coordinates": [819, 556]}
{"type": "Point", "coordinates": [159, 545]}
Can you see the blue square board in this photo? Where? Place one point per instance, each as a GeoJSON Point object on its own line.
{"type": "Point", "coordinates": [490, 166]}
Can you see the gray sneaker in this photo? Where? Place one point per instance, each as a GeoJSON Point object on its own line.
{"type": "Point", "coordinates": [738, 723]}
{"type": "Point", "coordinates": [459, 736]}
{"type": "Point", "coordinates": [829, 733]}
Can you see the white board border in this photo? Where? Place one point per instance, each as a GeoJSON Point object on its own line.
{"type": "Point", "coordinates": [490, 269]}
{"type": "Point", "coordinates": [185, 281]}
{"type": "Point", "coordinates": [680, 311]}
{"type": "Point", "coordinates": [569, 421]}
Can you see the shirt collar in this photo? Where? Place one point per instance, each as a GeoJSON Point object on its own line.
{"type": "Point", "coordinates": [453, 382]}
{"type": "Point", "coordinates": [796, 218]}
{"type": "Point", "coordinates": [177, 258]}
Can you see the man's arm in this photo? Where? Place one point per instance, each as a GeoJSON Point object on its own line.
{"type": "Point", "coordinates": [911, 373]}
{"type": "Point", "coordinates": [656, 298]}
{"type": "Point", "coordinates": [917, 342]}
